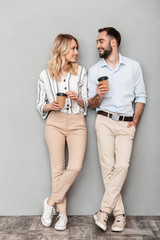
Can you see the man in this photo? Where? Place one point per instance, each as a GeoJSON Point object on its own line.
{"type": "Point", "coordinates": [116, 121]}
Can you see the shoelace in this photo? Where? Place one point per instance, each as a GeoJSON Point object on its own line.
{"type": "Point", "coordinates": [61, 218]}
{"type": "Point", "coordinates": [119, 219]}
{"type": "Point", "coordinates": [48, 212]}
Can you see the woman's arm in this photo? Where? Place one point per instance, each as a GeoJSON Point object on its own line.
{"type": "Point", "coordinates": [42, 106]}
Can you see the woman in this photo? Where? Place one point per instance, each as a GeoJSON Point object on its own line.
{"type": "Point", "coordinates": [63, 75]}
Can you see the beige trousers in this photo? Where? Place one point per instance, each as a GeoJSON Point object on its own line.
{"type": "Point", "coordinates": [115, 142]}
{"type": "Point", "coordinates": [61, 128]}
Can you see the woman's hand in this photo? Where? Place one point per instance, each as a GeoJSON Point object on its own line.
{"type": "Point", "coordinates": [72, 95]}
{"type": "Point", "coordinates": [54, 106]}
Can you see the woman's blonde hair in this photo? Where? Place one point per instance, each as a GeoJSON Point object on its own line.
{"type": "Point", "coordinates": [60, 48]}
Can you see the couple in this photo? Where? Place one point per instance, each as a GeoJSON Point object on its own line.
{"type": "Point", "coordinates": [116, 121]}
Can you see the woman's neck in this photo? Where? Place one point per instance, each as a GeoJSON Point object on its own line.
{"type": "Point", "coordinates": [65, 67]}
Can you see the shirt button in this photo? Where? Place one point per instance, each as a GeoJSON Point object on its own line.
{"type": "Point", "coordinates": [64, 80]}
{"type": "Point", "coordinates": [67, 108]}
{"type": "Point", "coordinates": [67, 105]}
{"type": "Point", "coordinates": [65, 88]}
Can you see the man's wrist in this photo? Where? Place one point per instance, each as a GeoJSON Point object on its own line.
{"type": "Point", "coordinates": [99, 97]}
{"type": "Point", "coordinates": [95, 101]}
{"type": "Point", "coordinates": [135, 121]}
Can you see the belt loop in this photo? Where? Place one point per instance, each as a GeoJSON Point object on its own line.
{"type": "Point", "coordinates": [123, 118]}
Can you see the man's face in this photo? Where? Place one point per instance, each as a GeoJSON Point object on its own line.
{"type": "Point", "coordinates": [104, 45]}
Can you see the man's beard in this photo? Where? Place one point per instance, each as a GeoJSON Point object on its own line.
{"type": "Point", "coordinates": [106, 52]}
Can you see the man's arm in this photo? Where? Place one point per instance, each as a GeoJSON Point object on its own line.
{"type": "Point", "coordinates": [140, 95]}
{"type": "Point", "coordinates": [137, 114]}
{"type": "Point", "coordinates": [96, 100]}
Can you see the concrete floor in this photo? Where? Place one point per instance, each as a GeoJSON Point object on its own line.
{"type": "Point", "coordinates": [79, 228]}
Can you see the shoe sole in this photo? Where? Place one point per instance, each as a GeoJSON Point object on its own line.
{"type": "Point", "coordinates": [45, 224]}
{"type": "Point", "coordinates": [117, 229]}
{"type": "Point", "coordinates": [99, 224]}
{"type": "Point", "coordinates": [60, 228]}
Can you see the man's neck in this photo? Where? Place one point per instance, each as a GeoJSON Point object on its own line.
{"type": "Point", "coordinates": [113, 60]}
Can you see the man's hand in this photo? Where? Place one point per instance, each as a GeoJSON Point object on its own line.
{"type": "Point", "coordinates": [132, 124]}
{"type": "Point", "coordinates": [137, 114]}
{"type": "Point", "coordinates": [96, 100]}
{"type": "Point", "coordinates": [101, 90]}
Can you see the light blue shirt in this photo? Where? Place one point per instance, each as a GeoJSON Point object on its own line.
{"type": "Point", "coordinates": [126, 85]}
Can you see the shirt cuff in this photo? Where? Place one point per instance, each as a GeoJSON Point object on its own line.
{"type": "Point", "coordinates": [85, 105]}
{"type": "Point", "coordinates": [141, 100]}
{"type": "Point", "coordinates": [43, 114]}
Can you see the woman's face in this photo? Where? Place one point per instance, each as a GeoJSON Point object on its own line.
{"type": "Point", "coordinates": [71, 56]}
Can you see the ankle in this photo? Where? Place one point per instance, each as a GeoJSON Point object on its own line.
{"type": "Point", "coordinates": [105, 212]}
{"type": "Point", "coordinates": [50, 202]}
{"type": "Point", "coordinates": [64, 213]}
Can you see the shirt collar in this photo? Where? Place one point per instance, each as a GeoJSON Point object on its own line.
{"type": "Point", "coordinates": [121, 61]}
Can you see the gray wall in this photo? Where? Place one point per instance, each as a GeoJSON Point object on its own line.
{"type": "Point", "coordinates": [27, 30]}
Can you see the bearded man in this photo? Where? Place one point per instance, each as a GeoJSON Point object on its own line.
{"type": "Point", "coordinates": [116, 120]}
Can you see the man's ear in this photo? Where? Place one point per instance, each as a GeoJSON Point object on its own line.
{"type": "Point", "coordinates": [113, 42]}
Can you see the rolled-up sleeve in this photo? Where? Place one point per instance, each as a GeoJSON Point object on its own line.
{"type": "Point", "coordinates": [83, 89]}
{"type": "Point", "coordinates": [91, 84]}
{"type": "Point", "coordinates": [139, 87]}
{"type": "Point", "coordinates": [41, 98]}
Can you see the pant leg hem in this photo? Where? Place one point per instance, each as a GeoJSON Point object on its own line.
{"type": "Point", "coordinates": [107, 210]}
{"type": "Point", "coordinates": [118, 213]}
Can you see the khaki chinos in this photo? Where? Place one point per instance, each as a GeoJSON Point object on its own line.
{"type": "Point", "coordinates": [60, 128]}
{"type": "Point", "coordinates": [115, 142]}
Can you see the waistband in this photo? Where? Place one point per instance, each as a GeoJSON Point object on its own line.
{"type": "Point", "coordinates": [116, 117]}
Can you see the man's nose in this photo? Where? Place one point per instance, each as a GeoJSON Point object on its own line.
{"type": "Point", "coordinates": [98, 45]}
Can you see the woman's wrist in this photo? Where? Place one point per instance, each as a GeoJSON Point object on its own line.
{"type": "Point", "coordinates": [77, 100]}
{"type": "Point", "coordinates": [80, 102]}
{"type": "Point", "coordinates": [46, 107]}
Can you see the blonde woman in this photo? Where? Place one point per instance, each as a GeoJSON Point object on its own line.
{"type": "Point", "coordinates": [63, 75]}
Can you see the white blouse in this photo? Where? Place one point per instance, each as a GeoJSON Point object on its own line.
{"type": "Point", "coordinates": [48, 88]}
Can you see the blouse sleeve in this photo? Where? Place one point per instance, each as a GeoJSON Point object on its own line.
{"type": "Point", "coordinates": [83, 89]}
{"type": "Point", "coordinates": [41, 98]}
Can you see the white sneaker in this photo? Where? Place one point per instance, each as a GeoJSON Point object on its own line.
{"type": "Point", "coordinates": [101, 219]}
{"type": "Point", "coordinates": [48, 213]}
{"type": "Point", "coordinates": [119, 223]}
{"type": "Point", "coordinates": [61, 223]}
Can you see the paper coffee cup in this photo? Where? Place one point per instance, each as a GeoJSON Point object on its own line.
{"type": "Point", "coordinates": [104, 80]}
{"type": "Point", "coordinates": [61, 98]}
